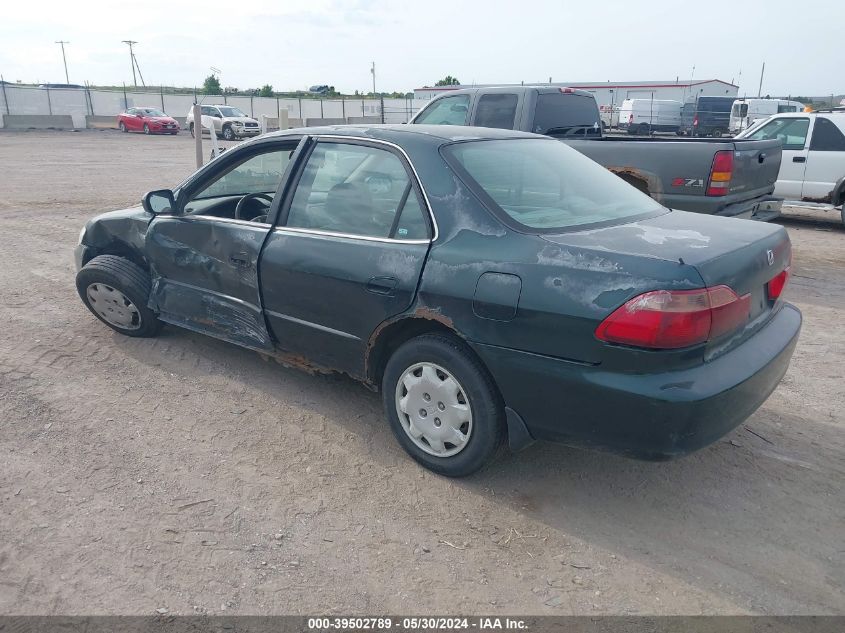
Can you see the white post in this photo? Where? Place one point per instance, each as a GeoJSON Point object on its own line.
{"type": "Point", "coordinates": [208, 121]}
{"type": "Point", "coordinates": [198, 133]}
{"type": "Point", "coordinates": [264, 123]}
{"type": "Point", "coordinates": [283, 119]}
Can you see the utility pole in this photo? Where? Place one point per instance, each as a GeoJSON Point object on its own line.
{"type": "Point", "coordinates": [132, 60]}
{"type": "Point", "coordinates": [373, 71]}
{"type": "Point", "coordinates": [760, 87]}
{"type": "Point", "coordinates": [64, 59]}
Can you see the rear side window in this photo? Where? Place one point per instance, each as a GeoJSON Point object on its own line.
{"type": "Point", "coordinates": [544, 185]}
{"type": "Point", "coordinates": [357, 190]}
{"type": "Point", "coordinates": [566, 114]}
{"type": "Point", "coordinates": [827, 137]}
{"type": "Point", "coordinates": [446, 111]}
{"type": "Point", "coordinates": [496, 110]}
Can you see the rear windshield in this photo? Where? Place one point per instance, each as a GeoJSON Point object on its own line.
{"type": "Point", "coordinates": [544, 185]}
{"type": "Point", "coordinates": [566, 114]}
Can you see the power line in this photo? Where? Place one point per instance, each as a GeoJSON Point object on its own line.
{"type": "Point", "coordinates": [64, 59]}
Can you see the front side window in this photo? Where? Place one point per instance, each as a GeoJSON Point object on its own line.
{"type": "Point", "coordinates": [792, 133]}
{"type": "Point", "coordinates": [546, 185]}
{"type": "Point", "coordinates": [827, 137]}
{"type": "Point", "coordinates": [357, 190]}
{"type": "Point", "coordinates": [496, 110]}
{"type": "Point", "coordinates": [446, 111]}
{"type": "Point", "coordinates": [261, 173]}
{"type": "Point", "coordinates": [209, 111]}
{"type": "Point", "coordinates": [229, 111]}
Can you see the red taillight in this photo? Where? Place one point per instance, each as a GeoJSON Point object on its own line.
{"type": "Point", "coordinates": [672, 319]}
{"type": "Point", "coordinates": [720, 173]}
{"type": "Point", "coordinates": [695, 122]}
{"type": "Point", "coordinates": [630, 118]}
{"type": "Point", "coordinates": [777, 284]}
{"type": "Point", "coordinates": [567, 91]}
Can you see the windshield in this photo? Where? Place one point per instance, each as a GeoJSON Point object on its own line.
{"type": "Point", "coordinates": [546, 185]}
{"type": "Point", "coordinates": [566, 114]}
{"type": "Point", "coordinates": [229, 111]}
{"type": "Point", "coordinates": [150, 112]}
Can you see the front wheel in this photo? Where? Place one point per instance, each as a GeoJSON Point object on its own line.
{"type": "Point", "coordinates": [442, 405]}
{"type": "Point", "coordinates": [146, 129]}
{"type": "Point", "coordinates": [191, 128]}
{"type": "Point", "coordinates": [116, 291]}
{"type": "Point", "coordinates": [717, 133]}
{"type": "Point", "coordinates": [229, 133]}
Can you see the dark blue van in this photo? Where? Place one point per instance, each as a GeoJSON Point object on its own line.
{"type": "Point", "coordinates": [706, 116]}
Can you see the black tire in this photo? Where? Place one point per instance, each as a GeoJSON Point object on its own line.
{"type": "Point", "coordinates": [229, 133]}
{"type": "Point", "coordinates": [485, 402]}
{"type": "Point", "coordinates": [128, 278]}
{"type": "Point", "coordinates": [717, 132]}
{"type": "Point", "coordinates": [146, 129]}
{"type": "Point", "coordinates": [122, 127]}
{"type": "Point", "coordinates": [191, 128]}
{"type": "Point", "coordinates": [645, 129]}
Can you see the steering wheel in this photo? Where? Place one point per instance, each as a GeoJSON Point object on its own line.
{"type": "Point", "coordinates": [248, 197]}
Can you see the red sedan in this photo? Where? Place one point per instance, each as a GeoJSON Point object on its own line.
{"type": "Point", "coordinates": [147, 120]}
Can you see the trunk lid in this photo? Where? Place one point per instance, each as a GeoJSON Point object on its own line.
{"type": "Point", "coordinates": [741, 254]}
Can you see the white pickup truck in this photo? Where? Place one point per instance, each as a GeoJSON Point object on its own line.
{"type": "Point", "coordinates": [812, 168]}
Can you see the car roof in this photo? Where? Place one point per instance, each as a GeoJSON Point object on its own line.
{"type": "Point", "coordinates": [397, 133]}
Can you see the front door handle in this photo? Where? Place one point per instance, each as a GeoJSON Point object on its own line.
{"type": "Point", "coordinates": [239, 260]}
{"type": "Point", "coordinates": [382, 285]}
{"type": "Point", "coordinates": [799, 159]}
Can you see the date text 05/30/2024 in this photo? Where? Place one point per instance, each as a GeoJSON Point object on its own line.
{"type": "Point", "coordinates": [414, 623]}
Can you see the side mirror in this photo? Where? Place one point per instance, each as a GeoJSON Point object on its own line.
{"type": "Point", "coordinates": [159, 201]}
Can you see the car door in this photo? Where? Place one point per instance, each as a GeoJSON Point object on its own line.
{"type": "Point", "coordinates": [793, 133]}
{"type": "Point", "coordinates": [204, 260]}
{"type": "Point", "coordinates": [347, 253]}
{"type": "Point", "coordinates": [131, 119]}
{"type": "Point", "coordinates": [825, 160]}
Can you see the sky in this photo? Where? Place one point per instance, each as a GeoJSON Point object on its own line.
{"type": "Point", "coordinates": [293, 44]}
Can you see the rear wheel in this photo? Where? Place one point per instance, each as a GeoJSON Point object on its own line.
{"type": "Point", "coordinates": [717, 132]}
{"type": "Point", "coordinates": [146, 129]}
{"type": "Point", "coordinates": [191, 128]}
{"type": "Point", "coordinates": [442, 405]}
{"type": "Point", "coordinates": [116, 291]}
{"type": "Point", "coordinates": [122, 127]}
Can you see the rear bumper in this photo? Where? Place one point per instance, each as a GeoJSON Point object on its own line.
{"type": "Point", "coordinates": [652, 416]}
{"type": "Point", "coordinates": [764, 209]}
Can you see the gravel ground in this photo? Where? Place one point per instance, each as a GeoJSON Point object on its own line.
{"type": "Point", "coordinates": [185, 473]}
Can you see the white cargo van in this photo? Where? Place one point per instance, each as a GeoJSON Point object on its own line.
{"type": "Point", "coordinates": [643, 116]}
{"type": "Point", "coordinates": [745, 112]}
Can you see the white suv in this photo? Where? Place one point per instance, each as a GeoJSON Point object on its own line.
{"type": "Point", "coordinates": [812, 167]}
{"type": "Point", "coordinates": [229, 122]}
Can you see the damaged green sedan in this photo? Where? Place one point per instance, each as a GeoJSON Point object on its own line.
{"type": "Point", "coordinates": [495, 286]}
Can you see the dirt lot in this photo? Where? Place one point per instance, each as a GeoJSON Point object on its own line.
{"type": "Point", "coordinates": [188, 474]}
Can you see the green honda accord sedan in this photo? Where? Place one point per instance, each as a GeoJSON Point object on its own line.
{"type": "Point", "coordinates": [497, 287]}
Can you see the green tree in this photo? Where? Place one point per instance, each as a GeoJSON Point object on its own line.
{"type": "Point", "coordinates": [266, 91]}
{"type": "Point", "coordinates": [448, 80]}
{"type": "Point", "coordinates": [211, 85]}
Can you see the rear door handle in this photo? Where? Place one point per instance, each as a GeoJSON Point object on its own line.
{"type": "Point", "coordinates": [382, 285]}
{"type": "Point", "coordinates": [799, 159]}
{"type": "Point", "coordinates": [239, 260]}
